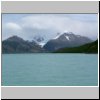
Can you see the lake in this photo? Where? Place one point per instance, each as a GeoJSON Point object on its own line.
{"type": "Point", "coordinates": [49, 69]}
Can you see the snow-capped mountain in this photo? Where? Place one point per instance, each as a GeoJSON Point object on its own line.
{"type": "Point", "coordinates": [66, 40]}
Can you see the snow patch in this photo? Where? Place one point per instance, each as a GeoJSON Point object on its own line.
{"type": "Point", "coordinates": [42, 44]}
{"type": "Point", "coordinates": [67, 37]}
{"type": "Point", "coordinates": [57, 36]}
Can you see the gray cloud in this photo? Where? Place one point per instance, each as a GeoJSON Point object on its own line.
{"type": "Point", "coordinates": [49, 25]}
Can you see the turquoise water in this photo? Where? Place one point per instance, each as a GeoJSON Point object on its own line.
{"type": "Point", "coordinates": [47, 69]}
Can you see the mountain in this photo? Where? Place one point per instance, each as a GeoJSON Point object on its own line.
{"type": "Point", "coordinates": [66, 40]}
{"type": "Point", "coordinates": [16, 44]}
{"type": "Point", "coordinates": [87, 48]}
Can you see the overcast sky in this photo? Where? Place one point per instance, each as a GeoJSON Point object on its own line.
{"type": "Point", "coordinates": [48, 25]}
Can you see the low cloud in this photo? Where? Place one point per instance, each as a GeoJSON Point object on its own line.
{"type": "Point", "coordinates": [12, 26]}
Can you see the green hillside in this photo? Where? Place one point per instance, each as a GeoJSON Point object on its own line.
{"type": "Point", "coordinates": [87, 48]}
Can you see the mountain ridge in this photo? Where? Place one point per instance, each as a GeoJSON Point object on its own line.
{"type": "Point", "coordinates": [86, 48]}
{"type": "Point", "coordinates": [16, 44]}
{"type": "Point", "coordinates": [66, 40]}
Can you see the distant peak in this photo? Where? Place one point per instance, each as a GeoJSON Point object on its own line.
{"type": "Point", "coordinates": [15, 38]}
